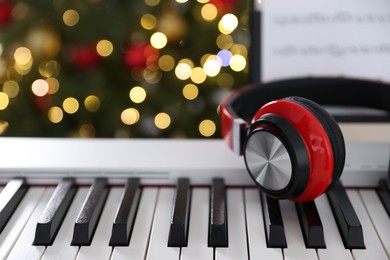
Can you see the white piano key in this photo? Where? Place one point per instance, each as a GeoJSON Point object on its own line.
{"type": "Point", "coordinates": [255, 228]}
{"type": "Point", "coordinates": [158, 248]}
{"type": "Point", "coordinates": [15, 225]}
{"type": "Point", "coordinates": [197, 247]}
{"type": "Point", "coordinates": [374, 249]}
{"type": "Point", "coordinates": [296, 249]}
{"type": "Point", "coordinates": [24, 249]}
{"type": "Point", "coordinates": [237, 248]}
{"type": "Point", "coordinates": [142, 226]}
{"type": "Point", "coordinates": [334, 244]}
{"type": "Point", "coordinates": [61, 248]}
{"type": "Point", "coordinates": [378, 216]}
{"type": "Point", "coordinates": [100, 248]}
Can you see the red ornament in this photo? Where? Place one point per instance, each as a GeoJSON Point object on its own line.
{"type": "Point", "coordinates": [140, 55]}
{"type": "Point", "coordinates": [85, 57]}
{"type": "Point", "coordinates": [225, 6]}
{"type": "Point", "coordinates": [43, 104]}
{"type": "Point", "coordinates": [5, 13]}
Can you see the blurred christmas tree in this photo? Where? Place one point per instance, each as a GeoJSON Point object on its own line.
{"type": "Point", "coordinates": [118, 68]}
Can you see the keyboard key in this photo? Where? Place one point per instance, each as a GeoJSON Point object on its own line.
{"type": "Point", "coordinates": [197, 247]}
{"type": "Point", "coordinates": [23, 248]}
{"type": "Point", "coordinates": [373, 246]}
{"type": "Point", "coordinates": [296, 245]}
{"type": "Point", "coordinates": [142, 228]}
{"type": "Point", "coordinates": [378, 216]}
{"type": "Point", "coordinates": [52, 216]}
{"type": "Point", "coordinates": [384, 195]}
{"type": "Point", "coordinates": [273, 222]}
{"type": "Point", "coordinates": [10, 197]}
{"type": "Point", "coordinates": [237, 248]}
{"type": "Point", "coordinates": [218, 233]}
{"type": "Point", "coordinates": [256, 233]}
{"type": "Point", "coordinates": [15, 225]}
{"type": "Point", "coordinates": [99, 247]}
{"type": "Point", "coordinates": [334, 244]}
{"type": "Point", "coordinates": [346, 218]}
{"type": "Point", "coordinates": [90, 213]}
{"type": "Point", "coordinates": [311, 225]}
{"type": "Point", "coordinates": [158, 248]}
{"type": "Point", "coordinates": [61, 248]}
{"type": "Point", "coordinates": [124, 220]}
{"type": "Point", "coordinates": [179, 221]}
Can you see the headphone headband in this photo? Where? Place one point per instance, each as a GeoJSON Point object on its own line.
{"type": "Point", "coordinates": [239, 108]}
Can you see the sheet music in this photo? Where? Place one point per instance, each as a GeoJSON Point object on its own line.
{"type": "Point", "coordinates": [348, 38]}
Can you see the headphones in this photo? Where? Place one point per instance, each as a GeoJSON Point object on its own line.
{"type": "Point", "coordinates": [293, 148]}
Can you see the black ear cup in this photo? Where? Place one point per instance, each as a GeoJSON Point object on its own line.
{"type": "Point", "coordinates": [274, 152]}
{"type": "Point", "coordinates": [334, 133]}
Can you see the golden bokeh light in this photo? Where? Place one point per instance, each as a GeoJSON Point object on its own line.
{"type": "Point", "coordinates": [190, 91]}
{"type": "Point", "coordinates": [40, 87]}
{"type": "Point", "coordinates": [130, 116]}
{"type": "Point", "coordinates": [55, 114]}
{"type": "Point", "coordinates": [198, 75]}
{"type": "Point", "coordinates": [212, 66]}
{"type": "Point", "coordinates": [209, 12]}
{"type": "Point", "coordinates": [137, 94]}
{"type": "Point", "coordinates": [92, 103]}
{"type": "Point", "coordinates": [70, 17]}
{"type": "Point", "coordinates": [11, 88]}
{"type": "Point", "coordinates": [237, 63]}
{"type": "Point", "coordinates": [207, 128]}
{"type": "Point", "coordinates": [183, 71]}
{"type": "Point", "coordinates": [4, 101]}
{"type": "Point", "coordinates": [152, 3]}
{"type": "Point", "coordinates": [3, 126]}
{"type": "Point", "coordinates": [87, 131]}
{"type": "Point", "coordinates": [162, 120]}
{"type": "Point", "coordinates": [104, 48]}
{"type": "Point", "coordinates": [54, 85]}
{"type": "Point", "coordinates": [228, 23]}
{"type": "Point", "coordinates": [70, 105]}
{"type": "Point", "coordinates": [148, 21]}
{"type": "Point", "coordinates": [224, 41]}
{"type": "Point", "coordinates": [166, 63]}
{"type": "Point", "coordinates": [158, 40]}
{"type": "Point", "coordinates": [49, 68]}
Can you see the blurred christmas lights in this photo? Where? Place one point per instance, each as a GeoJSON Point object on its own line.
{"type": "Point", "coordinates": [181, 57]}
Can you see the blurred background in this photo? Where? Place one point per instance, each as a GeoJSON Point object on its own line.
{"type": "Point", "coordinates": [119, 68]}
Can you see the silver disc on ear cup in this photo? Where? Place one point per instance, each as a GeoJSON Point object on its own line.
{"type": "Point", "coordinates": [268, 160]}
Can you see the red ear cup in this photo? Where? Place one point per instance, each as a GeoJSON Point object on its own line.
{"type": "Point", "coordinates": [334, 133]}
{"type": "Point", "coordinates": [313, 127]}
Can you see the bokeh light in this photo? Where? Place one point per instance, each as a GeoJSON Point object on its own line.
{"type": "Point", "coordinates": [71, 17]}
{"type": "Point", "coordinates": [70, 105]}
{"type": "Point", "coordinates": [55, 114]}
{"type": "Point", "coordinates": [207, 128]}
{"type": "Point", "coordinates": [130, 116]}
{"type": "Point", "coordinates": [162, 120]}
{"type": "Point", "coordinates": [137, 94]}
{"type": "Point", "coordinates": [40, 87]}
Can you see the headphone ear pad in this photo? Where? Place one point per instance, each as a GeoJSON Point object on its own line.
{"type": "Point", "coordinates": [334, 133]}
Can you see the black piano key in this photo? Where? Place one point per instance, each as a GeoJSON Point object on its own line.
{"type": "Point", "coordinates": [311, 225]}
{"type": "Point", "coordinates": [10, 197]}
{"type": "Point", "coordinates": [273, 222]}
{"type": "Point", "coordinates": [178, 231]}
{"type": "Point", "coordinates": [384, 195]}
{"type": "Point", "coordinates": [347, 221]}
{"type": "Point", "coordinates": [125, 217]}
{"type": "Point", "coordinates": [90, 212]}
{"type": "Point", "coordinates": [53, 214]}
{"type": "Point", "coordinates": [218, 229]}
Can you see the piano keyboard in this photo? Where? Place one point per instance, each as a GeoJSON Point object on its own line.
{"type": "Point", "coordinates": [216, 222]}
{"type": "Point", "coordinates": [104, 200]}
